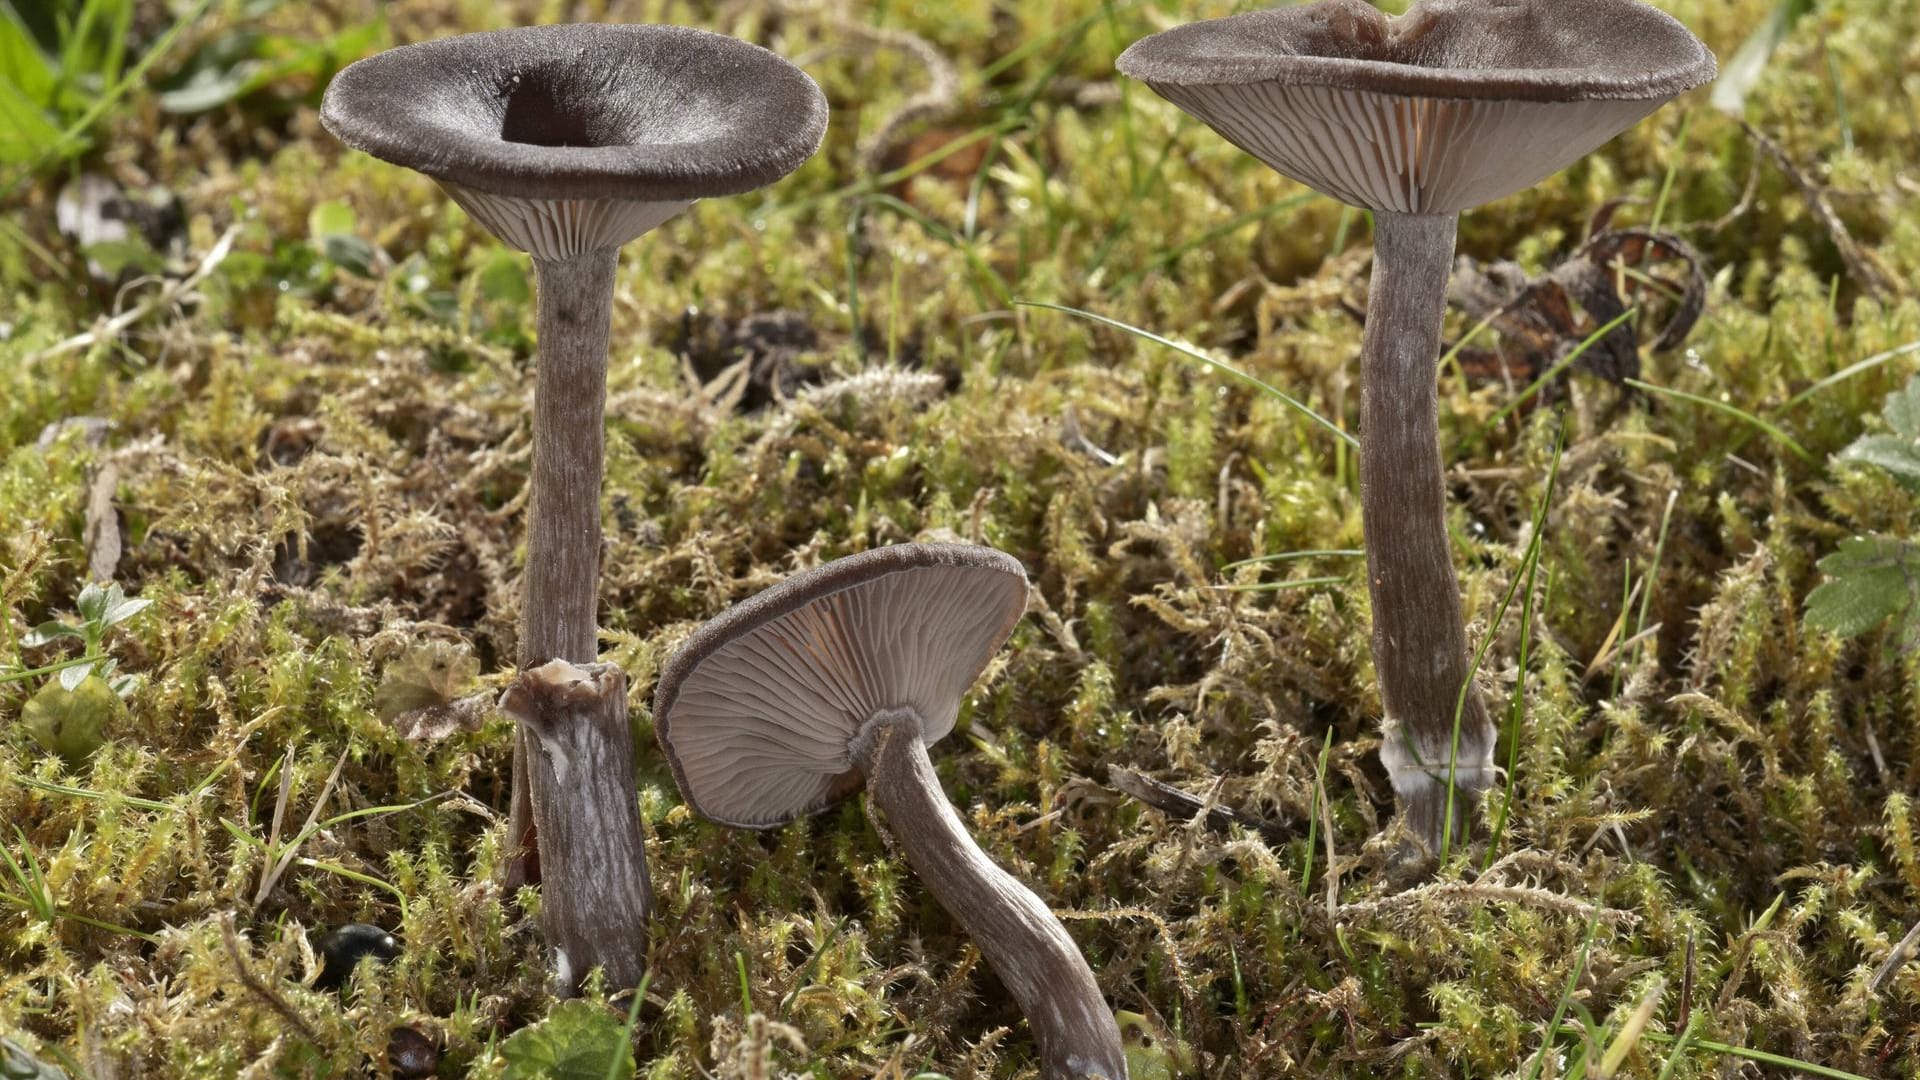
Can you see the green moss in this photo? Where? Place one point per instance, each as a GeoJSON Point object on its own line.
{"type": "Point", "coordinates": [318, 472]}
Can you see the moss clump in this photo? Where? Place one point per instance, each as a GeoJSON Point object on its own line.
{"type": "Point", "coordinates": [318, 470]}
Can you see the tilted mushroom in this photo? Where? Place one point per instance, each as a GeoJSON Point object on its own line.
{"type": "Point", "coordinates": [842, 676]}
{"type": "Point", "coordinates": [566, 142]}
{"type": "Point", "coordinates": [1417, 118]}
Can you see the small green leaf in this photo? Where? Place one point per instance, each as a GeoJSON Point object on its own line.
{"type": "Point", "coordinates": [52, 630]}
{"type": "Point", "coordinates": [576, 1041]}
{"type": "Point", "coordinates": [124, 610]}
{"type": "Point", "coordinates": [331, 218]}
{"type": "Point", "coordinates": [115, 257]}
{"type": "Point", "coordinates": [1869, 579]}
{"type": "Point", "coordinates": [349, 253]}
{"type": "Point", "coordinates": [72, 677]}
{"type": "Point", "coordinates": [94, 600]}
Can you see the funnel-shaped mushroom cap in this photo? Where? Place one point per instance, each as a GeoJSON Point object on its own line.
{"type": "Point", "coordinates": [1454, 104]}
{"type": "Point", "coordinates": [757, 709]}
{"type": "Point", "coordinates": [566, 138]}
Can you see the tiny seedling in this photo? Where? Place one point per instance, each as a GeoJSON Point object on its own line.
{"type": "Point", "coordinates": [101, 608]}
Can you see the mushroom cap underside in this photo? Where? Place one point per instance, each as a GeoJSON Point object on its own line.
{"type": "Point", "coordinates": [757, 710]}
{"type": "Point", "coordinates": [583, 111]}
{"type": "Point", "coordinates": [1450, 106]}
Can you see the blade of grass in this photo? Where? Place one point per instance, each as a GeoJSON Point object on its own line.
{"type": "Point", "coordinates": [1277, 586]}
{"type": "Point", "coordinates": [1631, 1031]}
{"type": "Point", "coordinates": [1850, 371]}
{"type": "Point", "coordinates": [1480, 654]}
{"type": "Point", "coordinates": [1745, 1053]}
{"type": "Point", "coordinates": [1189, 351]}
{"type": "Point", "coordinates": [626, 1030]}
{"type": "Point", "coordinates": [134, 76]}
{"type": "Point", "coordinates": [1517, 701]}
{"type": "Point", "coordinates": [1206, 238]}
{"type": "Point", "coordinates": [1566, 998]}
{"type": "Point", "coordinates": [1736, 412]}
{"type": "Point", "coordinates": [1313, 814]}
{"type": "Point", "coordinates": [1289, 556]}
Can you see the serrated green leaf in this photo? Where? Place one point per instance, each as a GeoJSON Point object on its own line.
{"type": "Point", "coordinates": [1896, 455]}
{"type": "Point", "coordinates": [1899, 452]}
{"type": "Point", "coordinates": [577, 1041]}
{"type": "Point", "coordinates": [1902, 410]}
{"type": "Point", "coordinates": [1869, 579]}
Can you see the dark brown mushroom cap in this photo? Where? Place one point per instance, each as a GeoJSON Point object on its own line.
{"type": "Point", "coordinates": [1455, 103]}
{"type": "Point", "coordinates": [583, 111]}
{"type": "Point", "coordinates": [757, 710]}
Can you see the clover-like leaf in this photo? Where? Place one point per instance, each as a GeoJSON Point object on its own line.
{"type": "Point", "coordinates": [1869, 579]}
{"type": "Point", "coordinates": [577, 1041]}
{"type": "Point", "coordinates": [1899, 451]}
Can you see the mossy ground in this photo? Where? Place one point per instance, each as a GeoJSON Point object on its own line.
{"type": "Point", "coordinates": [319, 478]}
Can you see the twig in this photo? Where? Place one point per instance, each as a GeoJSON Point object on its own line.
{"type": "Point", "coordinates": [1895, 960]}
{"type": "Point", "coordinates": [1862, 268]}
{"type": "Point", "coordinates": [260, 989]}
{"type": "Point", "coordinates": [1185, 806]}
{"type": "Point", "coordinates": [270, 873]}
{"type": "Point", "coordinates": [1457, 892]}
{"type": "Point", "coordinates": [169, 293]}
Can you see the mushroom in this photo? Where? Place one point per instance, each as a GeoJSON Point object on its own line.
{"type": "Point", "coordinates": [842, 676]}
{"type": "Point", "coordinates": [566, 142]}
{"type": "Point", "coordinates": [1417, 118]}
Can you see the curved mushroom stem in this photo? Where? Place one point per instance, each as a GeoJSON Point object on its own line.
{"type": "Point", "coordinates": [1027, 946]}
{"type": "Point", "coordinates": [560, 588]}
{"type": "Point", "coordinates": [1438, 746]}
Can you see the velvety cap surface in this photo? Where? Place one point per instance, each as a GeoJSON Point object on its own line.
{"type": "Point", "coordinates": [1454, 104]}
{"type": "Point", "coordinates": [583, 111]}
{"type": "Point", "coordinates": [757, 709]}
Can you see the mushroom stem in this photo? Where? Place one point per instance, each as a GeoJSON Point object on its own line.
{"type": "Point", "coordinates": [560, 587]}
{"type": "Point", "coordinates": [1028, 948]}
{"type": "Point", "coordinates": [1438, 767]}
{"type": "Point", "coordinates": [595, 895]}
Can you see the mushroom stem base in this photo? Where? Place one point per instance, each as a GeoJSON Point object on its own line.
{"type": "Point", "coordinates": [594, 892]}
{"type": "Point", "coordinates": [1016, 931]}
{"type": "Point", "coordinates": [1438, 746]}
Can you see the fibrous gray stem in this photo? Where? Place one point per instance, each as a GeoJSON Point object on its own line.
{"type": "Point", "coordinates": [1028, 948]}
{"type": "Point", "coordinates": [594, 892]}
{"type": "Point", "coordinates": [560, 587]}
{"type": "Point", "coordinates": [1438, 768]}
